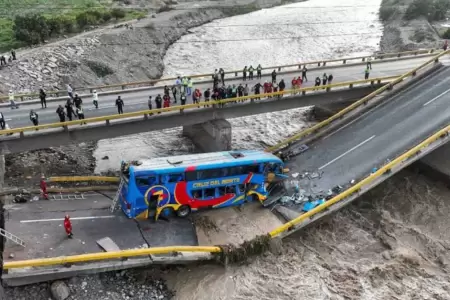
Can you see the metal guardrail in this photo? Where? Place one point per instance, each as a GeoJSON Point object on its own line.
{"type": "Point", "coordinates": [64, 260]}
{"type": "Point", "coordinates": [353, 106]}
{"type": "Point", "coordinates": [383, 170]}
{"type": "Point", "coordinates": [181, 108]}
{"type": "Point", "coordinates": [319, 63]}
{"type": "Point", "coordinates": [83, 178]}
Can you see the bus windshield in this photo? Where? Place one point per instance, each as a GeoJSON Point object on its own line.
{"type": "Point", "coordinates": [183, 184]}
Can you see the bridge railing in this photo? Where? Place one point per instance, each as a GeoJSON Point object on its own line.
{"type": "Point", "coordinates": [281, 231]}
{"type": "Point", "coordinates": [323, 63]}
{"type": "Point", "coordinates": [181, 108]}
{"type": "Point", "coordinates": [82, 179]}
{"type": "Point", "coordinates": [354, 105]}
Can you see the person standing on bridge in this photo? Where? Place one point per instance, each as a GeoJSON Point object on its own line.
{"type": "Point", "coordinates": [120, 105]}
{"type": "Point", "coordinates": [190, 87]}
{"type": "Point", "coordinates": [317, 81]}
{"type": "Point", "coordinates": [70, 91]}
{"type": "Point", "coordinates": [246, 91]}
{"type": "Point", "coordinates": [258, 71]}
{"type": "Point", "coordinates": [257, 89]}
{"type": "Point", "coordinates": [69, 109]}
{"type": "Point", "coordinates": [240, 91]}
{"type": "Point", "coordinates": [166, 100]}
{"type": "Point", "coordinates": [282, 86]}
{"type": "Point", "coordinates": [42, 96]}
{"type": "Point", "coordinates": [174, 93]}
{"type": "Point", "coordinates": [304, 71]}
{"type": "Point", "coordinates": [274, 75]}
{"type": "Point", "coordinates": [34, 118]}
{"type": "Point", "coordinates": [95, 99]}
{"type": "Point", "coordinates": [207, 95]}
{"type": "Point", "coordinates": [61, 114]}
{"type": "Point", "coordinates": [43, 186]}
{"type": "Point", "coordinates": [80, 114]}
{"type": "Point", "coordinates": [324, 79]}
{"type": "Point", "coordinates": [330, 78]}
{"type": "Point", "coordinates": [11, 100]}
{"type": "Point", "coordinates": [178, 84]}
{"type": "Point", "coordinates": [13, 54]}
{"type": "Point", "coordinates": [166, 90]}
{"type": "Point", "coordinates": [68, 226]}
{"type": "Point", "coordinates": [77, 101]}
{"type": "Point", "coordinates": [183, 99]}
{"type": "Point", "coordinates": [2, 121]}
{"type": "Point", "coordinates": [222, 75]}
{"type": "Point", "coordinates": [184, 84]}
{"type": "Point", "coordinates": [369, 62]}
{"type": "Point", "coordinates": [244, 73]}
{"type": "Point", "coordinates": [158, 101]}
{"type": "Point", "coordinates": [250, 72]}
{"type": "Point", "coordinates": [366, 73]}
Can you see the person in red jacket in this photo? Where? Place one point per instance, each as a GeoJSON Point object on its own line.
{"type": "Point", "coordinates": [294, 85]}
{"type": "Point", "coordinates": [68, 226]}
{"type": "Point", "coordinates": [43, 185]}
{"type": "Point", "coordinates": [196, 96]}
{"type": "Point", "coordinates": [266, 87]}
{"type": "Point", "coordinates": [166, 100]}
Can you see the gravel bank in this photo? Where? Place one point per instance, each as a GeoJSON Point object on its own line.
{"type": "Point", "coordinates": [401, 35]}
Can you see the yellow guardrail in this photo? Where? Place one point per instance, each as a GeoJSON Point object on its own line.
{"type": "Point", "coordinates": [359, 185]}
{"type": "Point", "coordinates": [143, 113]}
{"type": "Point", "coordinates": [236, 72]}
{"type": "Point", "coordinates": [82, 178]}
{"type": "Point", "coordinates": [354, 105]}
{"type": "Point", "coordinates": [62, 260]}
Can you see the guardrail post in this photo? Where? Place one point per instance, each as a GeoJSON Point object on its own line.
{"type": "Point", "coordinates": [299, 66]}
{"type": "Point", "coordinates": [351, 85]}
{"type": "Point", "coordinates": [22, 134]}
{"type": "Point", "coordinates": [344, 61]}
{"type": "Point", "coordinates": [65, 128]}
{"type": "Point", "coordinates": [436, 60]}
{"type": "Point", "coordinates": [236, 74]}
{"type": "Point", "coordinates": [303, 93]}
{"type": "Point", "coordinates": [123, 87]}
{"type": "Point", "coordinates": [415, 53]}
{"type": "Point", "coordinates": [279, 69]}
{"type": "Point", "coordinates": [90, 91]}
{"type": "Point", "coordinates": [146, 117]}
{"type": "Point", "coordinates": [390, 86]}
{"type": "Point", "coordinates": [318, 64]}
{"type": "Point", "coordinates": [372, 82]}
{"type": "Point", "coordinates": [324, 63]}
{"type": "Point", "coordinates": [432, 50]}
{"type": "Point", "coordinates": [21, 98]}
{"type": "Point", "coordinates": [107, 123]}
{"type": "Point", "coordinates": [414, 73]}
{"type": "Point", "coordinates": [398, 55]}
{"type": "Point", "coordinates": [328, 89]}
{"type": "Point", "coordinates": [379, 81]}
{"type": "Point", "coordinates": [363, 59]}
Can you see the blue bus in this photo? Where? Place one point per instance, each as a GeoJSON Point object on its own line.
{"type": "Point", "coordinates": [182, 184]}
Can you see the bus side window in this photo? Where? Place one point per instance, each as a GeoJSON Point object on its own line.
{"type": "Point", "coordinates": [209, 193]}
{"type": "Point", "coordinates": [197, 194]}
{"type": "Point", "coordinates": [142, 181]}
{"type": "Point", "coordinates": [221, 190]}
{"type": "Point", "coordinates": [175, 177]}
{"type": "Point", "coordinates": [153, 180]}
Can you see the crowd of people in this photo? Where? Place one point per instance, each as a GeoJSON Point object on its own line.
{"type": "Point", "coordinates": [183, 89]}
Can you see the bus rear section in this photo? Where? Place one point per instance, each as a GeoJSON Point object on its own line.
{"type": "Point", "coordinates": [129, 194]}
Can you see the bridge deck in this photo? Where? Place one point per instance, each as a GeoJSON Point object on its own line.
{"type": "Point", "coordinates": [137, 100]}
{"type": "Point", "coordinates": [352, 151]}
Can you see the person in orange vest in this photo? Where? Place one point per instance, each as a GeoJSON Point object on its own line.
{"type": "Point", "coordinates": [68, 226]}
{"type": "Point", "coordinates": [43, 186]}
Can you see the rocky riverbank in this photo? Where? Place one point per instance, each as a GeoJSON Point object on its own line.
{"type": "Point", "coordinates": [116, 53]}
{"type": "Point", "coordinates": [402, 35]}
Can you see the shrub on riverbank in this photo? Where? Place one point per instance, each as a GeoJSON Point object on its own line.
{"type": "Point", "coordinates": [435, 10]}
{"type": "Point", "coordinates": [34, 28]}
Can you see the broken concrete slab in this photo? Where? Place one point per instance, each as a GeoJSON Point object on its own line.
{"type": "Point", "coordinates": [108, 244]}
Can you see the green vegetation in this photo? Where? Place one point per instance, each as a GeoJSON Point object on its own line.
{"type": "Point", "coordinates": [433, 10]}
{"type": "Point", "coordinates": [30, 22]}
{"type": "Point", "coordinates": [446, 34]}
{"type": "Point", "coordinates": [387, 12]}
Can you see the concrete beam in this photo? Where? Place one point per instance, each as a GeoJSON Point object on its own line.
{"type": "Point", "coordinates": [57, 137]}
{"type": "Point", "coordinates": [211, 136]}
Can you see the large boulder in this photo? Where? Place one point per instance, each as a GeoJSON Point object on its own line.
{"type": "Point", "coordinates": [59, 290]}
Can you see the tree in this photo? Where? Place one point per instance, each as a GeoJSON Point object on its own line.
{"type": "Point", "coordinates": [31, 28]}
{"type": "Point", "coordinates": [118, 13]}
{"type": "Point", "coordinates": [55, 25]}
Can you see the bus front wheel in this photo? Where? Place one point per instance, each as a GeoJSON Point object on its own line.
{"type": "Point", "coordinates": [183, 211]}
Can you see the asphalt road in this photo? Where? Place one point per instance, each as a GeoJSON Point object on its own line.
{"type": "Point", "coordinates": [40, 225]}
{"type": "Point", "coordinates": [352, 151]}
{"type": "Point", "coordinates": [136, 101]}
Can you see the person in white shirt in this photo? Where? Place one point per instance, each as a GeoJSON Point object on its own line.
{"type": "Point", "coordinates": [95, 98]}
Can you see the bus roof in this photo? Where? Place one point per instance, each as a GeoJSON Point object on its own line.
{"type": "Point", "coordinates": [201, 160]}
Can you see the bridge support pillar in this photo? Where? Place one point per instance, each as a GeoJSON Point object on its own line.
{"type": "Point", "coordinates": [437, 163]}
{"type": "Point", "coordinates": [322, 112]}
{"type": "Point", "coordinates": [210, 136]}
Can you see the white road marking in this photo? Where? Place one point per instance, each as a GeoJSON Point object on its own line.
{"type": "Point", "coordinates": [347, 152]}
{"type": "Point", "coordinates": [437, 97]}
{"type": "Point", "coordinates": [62, 219]}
